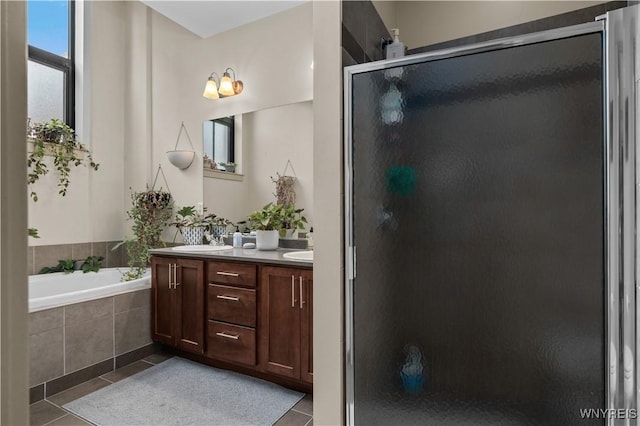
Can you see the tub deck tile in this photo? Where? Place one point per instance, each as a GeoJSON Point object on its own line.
{"type": "Point", "coordinates": [45, 320]}
{"type": "Point", "coordinates": [46, 360]}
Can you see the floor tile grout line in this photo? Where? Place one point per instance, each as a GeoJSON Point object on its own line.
{"type": "Point", "coordinates": [301, 412]}
{"type": "Point", "coordinates": [309, 422]}
{"type": "Point", "coordinates": [57, 418]}
{"type": "Point", "coordinates": [144, 360]}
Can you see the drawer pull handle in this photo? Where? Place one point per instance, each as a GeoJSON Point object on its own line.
{"type": "Point", "coordinates": [228, 336]}
{"type": "Point", "coordinates": [235, 299]}
{"type": "Point", "coordinates": [228, 274]}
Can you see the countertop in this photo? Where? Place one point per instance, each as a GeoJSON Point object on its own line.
{"type": "Point", "coordinates": [247, 255]}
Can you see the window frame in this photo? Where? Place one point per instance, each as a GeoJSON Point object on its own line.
{"type": "Point", "coordinates": [230, 123]}
{"type": "Point", "coordinates": [60, 63]}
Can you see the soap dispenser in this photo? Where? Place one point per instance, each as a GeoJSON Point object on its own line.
{"type": "Point", "coordinates": [237, 238]}
{"type": "Point", "coordinates": [395, 49]}
{"type": "Point", "coordinates": [310, 239]}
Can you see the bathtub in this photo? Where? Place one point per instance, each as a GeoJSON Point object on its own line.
{"type": "Point", "coordinates": [48, 291]}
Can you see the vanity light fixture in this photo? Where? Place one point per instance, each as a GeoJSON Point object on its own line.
{"type": "Point", "coordinates": [227, 85]}
{"type": "Point", "coordinates": [211, 89]}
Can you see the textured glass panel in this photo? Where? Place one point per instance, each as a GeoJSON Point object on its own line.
{"type": "Point", "coordinates": [221, 137]}
{"type": "Point", "coordinates": [478, 222]}
{"type": "Point", "coordinates": [48, 26]}
{"type": "Point", "coordinates": [45, 92]}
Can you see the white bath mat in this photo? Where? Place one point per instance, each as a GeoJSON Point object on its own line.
{"type": "Point", "coordinates": [182, 392]}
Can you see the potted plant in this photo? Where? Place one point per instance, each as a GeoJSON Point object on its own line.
{"type": "Point", "coordinates": [229, 167]}
{"type": "Point", "coordinates": [54, 138]}
{"type": "Point", "coordinates": [292, 220]}
{"type": "Point", "coordinates": [150, 212]}
{"type": "Point", "coordinates": [219, 225]}
{"type": "Point", "coordinates": [267, 222]}
{"type": "Point", "coordinates": [192, 225]}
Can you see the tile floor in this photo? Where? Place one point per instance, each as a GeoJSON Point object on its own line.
{"type": "Point", "coordinates": [49, 411]}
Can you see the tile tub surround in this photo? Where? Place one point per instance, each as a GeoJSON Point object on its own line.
{"type": "Point", "coordinates": [41, 256]}
{"type": "Point", "coordinates": [73, 343]}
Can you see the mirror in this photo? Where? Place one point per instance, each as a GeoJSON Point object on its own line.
{"type": "Point", "coordinates": [264, 141]}
{"type": "Point", "coordinates": [219, 144]}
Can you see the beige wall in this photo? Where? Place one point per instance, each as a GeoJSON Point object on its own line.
{"type": "Point", "coordinates": [273, 136]}
{"type": "Point", "coordinates": [422, 23]}
{"type": "Point", "coordinates": [93, 209]}
{"type": "Point", "coordinates": [14, 356]}
{"type": "Point", "coordinates": [272, 76]}
{"type": "Point", "coordinates": [147, 78]}
{"type": "Point", "coordinates": [328, 271]}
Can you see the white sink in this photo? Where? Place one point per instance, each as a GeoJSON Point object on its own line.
{"type": "Point", "coordinates": [202, 248]}
{"type": "Point", "coordinates": [306, 256]}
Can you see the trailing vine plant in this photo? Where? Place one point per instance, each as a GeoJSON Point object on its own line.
{"type": "Point", "coordinates": [56, 138]}
{"type": "Point", "coordinates": [150, 212]}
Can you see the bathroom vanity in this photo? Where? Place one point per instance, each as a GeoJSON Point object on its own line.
{"type": "Point", "coordinates": [246, 310]}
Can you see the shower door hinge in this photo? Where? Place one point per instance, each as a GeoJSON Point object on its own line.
{"type": "Point", "coordinates": [351, 259]}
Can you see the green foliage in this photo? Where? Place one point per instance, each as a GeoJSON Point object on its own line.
{"type": "Point", "coordinates": [33, 233]}
{"type": "Point", "coordinates": [65, 266]}
{"type": "Point", "coordinates": [267, 219]}
{"type": "Point", "coordinates": [292, 218]}
{"type": "Point", "coordinates": [277, 217]}
{"type": "Point", "coordinates": [150, 212]}
{"type": "Point", "coordinates": [62, 143]}
{"type": "Point", "coordinates": [188, 217]}
{"type": "Point", "coordinates": [92, 264]}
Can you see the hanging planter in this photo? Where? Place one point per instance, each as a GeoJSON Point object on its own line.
{"type": "Point", "coordinates": [181, 158]}
{"type": "Point", "coordinates": [285, 192]}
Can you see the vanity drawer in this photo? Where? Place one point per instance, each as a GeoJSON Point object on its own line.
{"type": "Point", "coordinates": [231, 304]}
{"type": "Point", "coordinates": [232, 273]}
{"type": "Point", "coordinates": [231, 342]}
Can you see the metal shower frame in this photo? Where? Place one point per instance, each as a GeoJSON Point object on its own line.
{"type": "Point", "coordinates": [621, 71]}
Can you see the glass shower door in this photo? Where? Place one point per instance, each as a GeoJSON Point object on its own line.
{"type": "Point", "coordinates": [477, 211]}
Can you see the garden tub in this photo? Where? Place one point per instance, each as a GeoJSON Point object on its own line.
{"type": "Point", "coordinates": [48, 291]}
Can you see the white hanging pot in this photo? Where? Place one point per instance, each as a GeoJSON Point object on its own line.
{"type": "Point", "coordinates": [267, 240]}
{"type": "Point", "coordinates": [181, 158]}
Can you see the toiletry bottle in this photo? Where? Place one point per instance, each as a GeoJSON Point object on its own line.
{"type": "Point", "coordinates": [237, 239]}
{"type": "Point", "coordinates": [310, 239]}
{"type": "Point", "coordinates": [396, 48]}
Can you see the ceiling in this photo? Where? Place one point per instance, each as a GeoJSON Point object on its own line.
{"type": "Point", "coordinates": [206, 18]}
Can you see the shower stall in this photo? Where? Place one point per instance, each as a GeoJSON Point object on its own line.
{"type": "Point", "coordinates": [490, 231]}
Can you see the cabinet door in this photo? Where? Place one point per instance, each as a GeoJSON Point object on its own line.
{"type": "Point", "coordinates": [190, 305]}
{"type": "Point", "coordinates": [306, 326]}
{"type": "Point", "coordinates": [163, 300]}
{"type": "Point", "coordinates": [280, 321]}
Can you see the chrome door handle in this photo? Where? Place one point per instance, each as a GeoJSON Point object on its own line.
{"type": "Point", "coordinates": [175, 275]}
{"type": "Point", "coordinates": [301, 298]}
{"type": "Point", "coordinates": [228, 274]}
{"type": "Point", "coordinates": [235, 299]}
{"type": "Point", "coordinates": [228, 336]}
{"type": "Point", "coordinates": [170, 276]}
{"type": "Point", "coordinates": [293, 284]}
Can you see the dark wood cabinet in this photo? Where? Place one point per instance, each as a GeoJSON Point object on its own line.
{"type": "Point", "coordinates": [286, 336]}
{"type": "Point", "coordinates": [178, 303]}
{"type": "Point", "coordinates": [231, 312]}
{"type": "Point", "coordinates": [245, 316]}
